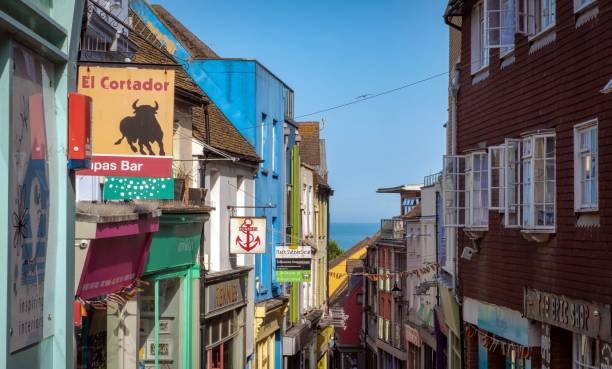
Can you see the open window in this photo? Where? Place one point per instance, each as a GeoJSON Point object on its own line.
{"type": "Point", "coordinates": [539, 182]}
{"type": "Point", "coordinates": [586, 167]}
{"type": "Point", "coordinates": [466, 190]}
{"type": "Point", "coordinates": [513, 193]}
{"type": "Point", "coordinates": [500, 25]}
{"type": "Point", "coordinates": [535, 16]}
{"type": "Point", "coordinates": [497, 175]}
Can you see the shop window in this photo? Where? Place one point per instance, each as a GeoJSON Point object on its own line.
{"type": "Point", "coordinates": [160, 325]}
{"type": "Point", "coordinates": [586, 167]}
{"type": "Point", "coordinates": [586, 352]}
{"type": "Point", "coordinates": [514, 360]}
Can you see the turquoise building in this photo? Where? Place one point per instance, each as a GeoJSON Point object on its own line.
{"type": "Point", "coordinates": [37, 70]}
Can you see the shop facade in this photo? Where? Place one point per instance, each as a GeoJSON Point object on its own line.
{"type": "Point", "coordinates": [110, 257]}
{"type": "Point", "coordinates": [223, 327]}
{"type": "Point", "coordinates": [169, 302]}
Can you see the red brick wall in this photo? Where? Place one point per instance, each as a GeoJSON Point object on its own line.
{"type": "Point", "coordinates": [555, 87]}
{"type": "Point", "coordinates": [471, 351]}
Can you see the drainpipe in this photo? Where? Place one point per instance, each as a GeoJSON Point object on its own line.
{"type": "Point", "coordinates": [203, 185]}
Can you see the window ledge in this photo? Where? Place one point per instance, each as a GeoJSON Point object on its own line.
{"type": "Point", "coordinates": [585, 7]}
{"type": "Point", "coordinates": [480, 75]}
{"type": "Point", "coordinates": [543, 38]}
{"type": "Point", "coordinates": [537, 235]}
{"type": "Point", "coordinates": [586, 13]}
{"type": "Point", "coordinates": [475, 233]}
{"type": "Point", "coordinates": [586, 210]}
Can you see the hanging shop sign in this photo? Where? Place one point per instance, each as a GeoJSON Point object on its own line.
{"type": "Point", "coordinates": [591, 319]}
{"type": "Point", "coordinates": [177, 242]}
{"type": "Point", "coordinates": [293, 263]}
{"type": "Point", "coordinates": [132, 118]}
{"type": "Point", "coordinates": [247, 235]}
{"type": "Point", "coordinates": [224, 294]}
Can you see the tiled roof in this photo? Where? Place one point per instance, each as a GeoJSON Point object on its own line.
{"type": "Point", "coordinates": [191, 42]}
{"type": "Point", "coordinates": [310, 147]}
{"type": "Point", "coordinates": [223, 135]}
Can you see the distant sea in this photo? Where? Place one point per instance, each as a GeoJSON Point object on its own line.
{"type": "Point", "coordinates": [349, 234]}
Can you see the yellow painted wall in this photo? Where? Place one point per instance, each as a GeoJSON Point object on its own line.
{"type": "Point", "coordinates": [334, 282]}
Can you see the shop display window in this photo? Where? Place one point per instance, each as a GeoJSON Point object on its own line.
{"type": "Point", "coordinates": [586, 352]}
{"type": "Point", "coordinates": [160, 338]}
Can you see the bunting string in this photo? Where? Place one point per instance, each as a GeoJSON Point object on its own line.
{"type": "Point", "coordinates": [390, 275]}
{"type": "Point", "coordinates": [120, 297]}
{"type": "Point", "coordinates": [494, 344]}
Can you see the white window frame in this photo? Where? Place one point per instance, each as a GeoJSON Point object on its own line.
{"type": "Point", "coordinates": [497, 175]}
{"type": "Point", "coordinates": [513, 175]}
{"type": "Point", "coordinates": [579, 5]}
{"type": "Point", "coordinates": [479, 52]}
{"type": "Point", "coordinates": [531, 16]}
{"type": "Point", "coordinates": [529, 160]}
{"type": "Point", "coordinates": [500, 17]}
{"type": "Point", "coordinates": [477, 188]}
{"type": "Point", "coordinates": [585, 344]}
{"type": "Point", "coordinates": [461, 189]}
{"type": "Point", "coordinates": [581, 153]}
{"type": "Point", "coordinates": [454, 190]}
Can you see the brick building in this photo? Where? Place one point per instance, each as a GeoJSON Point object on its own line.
{"type": "Point", "coordinates": [524, 186]}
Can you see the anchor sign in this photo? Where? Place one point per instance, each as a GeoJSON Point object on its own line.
{"type": "Point", "coordinates": [247, 235]}
{"type": "Point", "coordinates": [247, 228]}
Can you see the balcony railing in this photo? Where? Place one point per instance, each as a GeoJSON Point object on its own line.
{"type": "Point", "coordinates": [392, 230]}
{"type": "Point", "coordinates": [432, 179]}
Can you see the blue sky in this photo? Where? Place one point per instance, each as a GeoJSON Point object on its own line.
{"type": "Point", "coordinates": [330, 52]}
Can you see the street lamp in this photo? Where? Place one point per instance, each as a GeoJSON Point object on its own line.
{"type": "Point", "coordinates": [396, 291]}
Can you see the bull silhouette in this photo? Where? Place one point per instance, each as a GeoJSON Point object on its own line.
{"type": "Point", "coordinates": [142, 128]}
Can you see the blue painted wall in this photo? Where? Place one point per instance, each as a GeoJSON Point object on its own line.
{"type": "Point", "coordinates": [253, 100]}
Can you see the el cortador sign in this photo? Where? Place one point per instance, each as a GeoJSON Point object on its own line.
{"type": "Point", "coordinates": [132, 119]}
{"type": "Point", "coordinates": [588, 318]}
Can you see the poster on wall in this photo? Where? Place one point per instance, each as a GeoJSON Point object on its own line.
{"type": "Point", "coordinates": [293, 263]}
{"type": "Point", "coordinates": [29, 195]}
{"type": "Point", "coordinates": [132, 120]}
{"type": "Point", "coordinates": [247, 235]}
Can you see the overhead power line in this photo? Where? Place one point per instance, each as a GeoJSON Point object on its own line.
{"type": "Point", "coordinates": [369, 97]}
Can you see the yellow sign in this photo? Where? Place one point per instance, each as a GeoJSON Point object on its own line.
{"type": "Point", "coordinates": [132, 119]}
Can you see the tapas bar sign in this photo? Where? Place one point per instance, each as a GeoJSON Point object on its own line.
{"type": "Point", "coordinates": [591, 319]}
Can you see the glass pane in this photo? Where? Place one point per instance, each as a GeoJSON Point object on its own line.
{"type": "Point", "coordinates": [550, 169]}
{"type": "Point", "coordinates": [538, 170]}
{"type": "Point", "coordinates": [539, 148]}
{"type": "Point", "coordinates": [539, 193]}
{"type": "Point", "coordinates": [549, 197]}
{"type": "Point", "coordinates": [594, 139]}
{"type": "Point", "coordinates": [540, 215]}
{"type": "Point", "coordinates": [594, 192]}
{"type": "Point", "coordinates": [550, 147]}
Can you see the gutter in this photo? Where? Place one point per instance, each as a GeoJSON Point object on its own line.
{"type": "Point", "coordinates": [453, 8]}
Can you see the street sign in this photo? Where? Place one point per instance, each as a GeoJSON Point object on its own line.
{"type": "Point", "coordinates": [247, 235]}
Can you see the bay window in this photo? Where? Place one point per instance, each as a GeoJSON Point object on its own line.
{"type": "Point", "coordinates": [586, 169]}
{"type": "Point", "coordinates": [497, 177]}
{"type": "Point", "coordinates": [513, 188]}
{"type": "Point", "coordinates": [538, 174]}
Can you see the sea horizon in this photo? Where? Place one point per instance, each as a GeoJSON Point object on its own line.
{"type": "Point", "coordinates": [348, 234]}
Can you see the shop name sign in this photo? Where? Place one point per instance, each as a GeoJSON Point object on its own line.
{"type": "Point", "coordinates": [224, 294]}
{"type": "Point", "coordinates": [132, 116]}
{"type": "Point", "coordinates": [293, 263]}
{"type": "Point", "coordinates": [591, 319]}
{"type": "Point", "coordinates": [247, 235]}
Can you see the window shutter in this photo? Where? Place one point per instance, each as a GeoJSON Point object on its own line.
{"type": "Point", "coordinates": [454, 194]}
{"type": "Point", "coordinates": [513, 186]}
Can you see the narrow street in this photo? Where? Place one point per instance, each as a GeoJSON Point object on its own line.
{"type": "Point", "coordinates": [306, 185]}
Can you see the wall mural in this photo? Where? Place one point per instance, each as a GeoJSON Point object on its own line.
{"type": "Point", "coordinates": [29, 198]}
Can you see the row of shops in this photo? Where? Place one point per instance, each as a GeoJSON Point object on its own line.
{"type": "Point", "coordinates": [140, 290]}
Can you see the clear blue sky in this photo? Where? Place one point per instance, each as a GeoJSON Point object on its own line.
{"type": "Point", "coordinates": [331, 51]}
